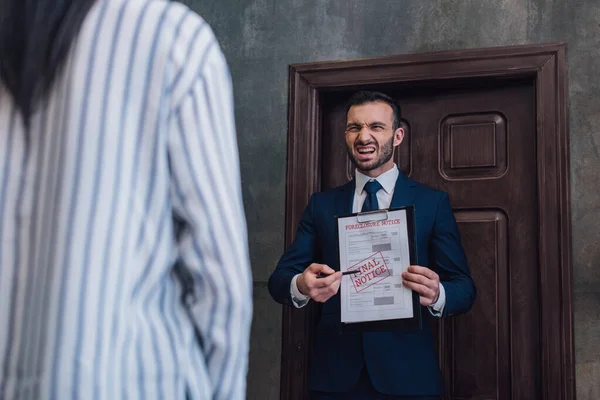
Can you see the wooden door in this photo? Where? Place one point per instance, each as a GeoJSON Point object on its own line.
{"type": "Point", "coordinates": [481, 133]}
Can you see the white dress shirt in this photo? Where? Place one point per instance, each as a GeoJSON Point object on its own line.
{"type": "Point", "coordinates": [384, 198]}
{"type": "Point", "coordinates": [136, 137]}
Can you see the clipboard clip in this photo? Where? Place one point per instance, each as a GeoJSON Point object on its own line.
{"type": "Point", "coordinates": [369, 216]}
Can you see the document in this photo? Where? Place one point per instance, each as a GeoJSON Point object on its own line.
{"type": "Point", "coordinates": [377, 246]}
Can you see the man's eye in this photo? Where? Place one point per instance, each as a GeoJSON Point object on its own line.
{"type": "Point", "coordinates": [377, 127]}
{"type": "Point", "coordinates": [353, 129]}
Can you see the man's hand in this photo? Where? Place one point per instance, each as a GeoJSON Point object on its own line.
{"type": "Point", "coordinates": [319, 289]}
{"type": "Point", "coordinates": [423, 281]}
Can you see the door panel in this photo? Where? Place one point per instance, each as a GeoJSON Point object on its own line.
{"type": "Point", "coordinates": [476, 144]}
{"type": "Point", "coordinates": [477, 363]}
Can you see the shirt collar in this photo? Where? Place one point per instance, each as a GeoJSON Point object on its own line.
{"type": "Point", "coordinates": [387, 180]}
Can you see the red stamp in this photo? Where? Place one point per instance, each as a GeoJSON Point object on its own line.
{"type": "Point", "coordinates": [373, 269]}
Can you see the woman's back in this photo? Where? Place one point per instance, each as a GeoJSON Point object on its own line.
{"type": "Point", "coordinates": [87, 199]}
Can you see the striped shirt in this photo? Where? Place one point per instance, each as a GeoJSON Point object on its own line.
{"type": "Point", "coordinates": [129, 167]}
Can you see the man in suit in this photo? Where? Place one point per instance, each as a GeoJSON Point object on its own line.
{"type": "Point", "coordinates": [375, 365]}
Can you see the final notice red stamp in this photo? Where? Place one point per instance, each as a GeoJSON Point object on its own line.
{"type": "Point", "coordinates": [373, 269]}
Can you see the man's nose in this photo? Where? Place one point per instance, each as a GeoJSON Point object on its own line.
{"type": "Point", "coordinates": [364, 133]}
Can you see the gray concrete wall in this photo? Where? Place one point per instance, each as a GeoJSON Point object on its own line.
{"type": "Point", "coordinates": [262, 37]}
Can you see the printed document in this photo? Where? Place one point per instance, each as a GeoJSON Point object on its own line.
{"type": "Point", "coordinates": [377, 246]}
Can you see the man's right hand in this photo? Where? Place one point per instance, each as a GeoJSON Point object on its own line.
{"type": "Point", "coordinates": [319, 289]}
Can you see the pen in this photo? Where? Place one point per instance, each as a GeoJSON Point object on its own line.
{"type": "Point", "coordinates": [356, 271]}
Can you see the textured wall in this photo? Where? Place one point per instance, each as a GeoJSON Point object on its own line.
{"type": "Point", "coordinates": [262, 37]}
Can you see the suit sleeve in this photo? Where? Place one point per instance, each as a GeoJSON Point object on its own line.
{"type": "Point", "coordinates": [206, 197]}
{"type": "Point", "coordinates": [451, 261]}
{"type": "Point", "coordinates": [296, 258]}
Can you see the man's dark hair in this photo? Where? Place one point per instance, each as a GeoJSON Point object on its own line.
{"type": "Point", "coordinates": [365, 96]}
{"type": "Point", "coordinates": [35, 39]}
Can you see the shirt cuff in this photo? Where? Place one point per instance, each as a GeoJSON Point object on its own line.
{"type": "Point", "coordinates": [298, 299]}
{"type": "Point", "coordinates": [437, 308]}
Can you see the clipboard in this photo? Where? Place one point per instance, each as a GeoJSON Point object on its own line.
{"type": "Point", "coordinates": [388, 325]}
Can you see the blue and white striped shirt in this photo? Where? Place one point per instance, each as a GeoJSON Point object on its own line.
{"type": "Point", "coordinates": [129, 167]}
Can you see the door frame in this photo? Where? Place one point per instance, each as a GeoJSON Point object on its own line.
{"type": "Point", "coordinates": [546, 64]}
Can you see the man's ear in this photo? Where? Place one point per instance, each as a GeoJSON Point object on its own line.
{"type": "Point", "coordinates": [398, 136]}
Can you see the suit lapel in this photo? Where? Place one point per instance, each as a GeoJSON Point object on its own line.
{"type": "Point", "coordinates": [345, 198]}
{"type": "Point", "coordinates": [404, 192]}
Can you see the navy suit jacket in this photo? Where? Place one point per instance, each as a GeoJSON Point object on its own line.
{"type": "Point", "coordinates": [399, 363]}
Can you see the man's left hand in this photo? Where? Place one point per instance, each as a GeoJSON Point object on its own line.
{"type": "Point", "coordinates": [423, 281]}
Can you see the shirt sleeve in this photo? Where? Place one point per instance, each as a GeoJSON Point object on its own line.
{"type": "Point", "coordinates": [206, 196]}
{"type": "Point", "coordinates": [299, 300]}
{"type": "Point", "coordinates": [437, 308]}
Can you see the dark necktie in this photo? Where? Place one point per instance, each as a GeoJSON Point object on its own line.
{"type": "Point", "coordinates": [371, 203]}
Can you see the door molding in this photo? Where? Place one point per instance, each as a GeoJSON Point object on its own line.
{"type": "Point", "coordinates": [546, 64]}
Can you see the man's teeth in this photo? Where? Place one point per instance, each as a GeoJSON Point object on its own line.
{"type": "Point", "coordinates": [366, 151]}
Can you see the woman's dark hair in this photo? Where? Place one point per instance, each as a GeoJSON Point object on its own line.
{"type": "Point", "coordinates": [35, 39]}
{"type": "Point", "coordinates": [365, 96]}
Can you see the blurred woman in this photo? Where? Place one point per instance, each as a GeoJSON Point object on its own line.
{"type": "Point", "coordinates": [118, 161]}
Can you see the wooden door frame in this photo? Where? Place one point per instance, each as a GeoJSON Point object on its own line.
{"type": "Point", "coordinates": [546, 64]}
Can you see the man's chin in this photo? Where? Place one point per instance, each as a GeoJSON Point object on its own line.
{"type": "Point", "coordinates": [365, 166]}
